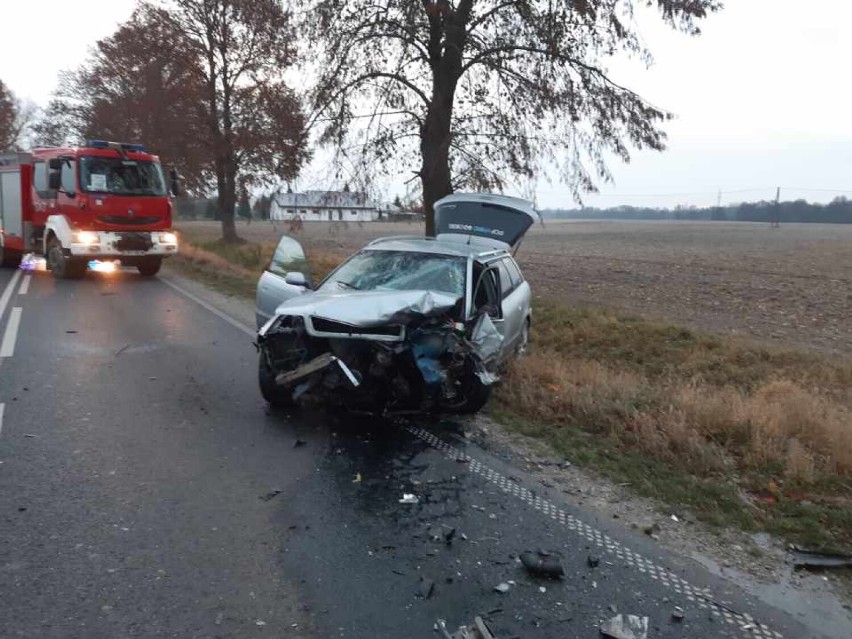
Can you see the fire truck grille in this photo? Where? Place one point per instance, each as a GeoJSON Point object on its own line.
{"type": "Point", "coordinates": [134, 242]}
{"type": "Point", "coordinates": [129, 221]}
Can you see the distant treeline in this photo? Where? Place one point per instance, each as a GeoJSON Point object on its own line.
{"type": "Point", "coordinates": [839, 211]}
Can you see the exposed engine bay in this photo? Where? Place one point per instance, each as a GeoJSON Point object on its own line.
{"type": "Point", "coordinates": [417, 357]}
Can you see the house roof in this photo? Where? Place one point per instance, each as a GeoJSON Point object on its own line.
{"type": "Point", "coordinates": [325, 199]}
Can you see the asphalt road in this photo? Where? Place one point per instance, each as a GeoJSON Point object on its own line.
{"type": "Point", "coordinates": [146, 491]}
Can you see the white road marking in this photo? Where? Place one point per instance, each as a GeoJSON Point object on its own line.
{"type": "Point", "coordinates": [7, 292]}
{"type": "Point", "coordinates": [2, 408]}
{"type": "Point", "coordinates": [236, 324]}
{"type": "Point", "coordinates": [25, 285]}
{"type": "Point", "coordinates": [744, 623]}
{"type": "Point", "coordinates": [7, 348]}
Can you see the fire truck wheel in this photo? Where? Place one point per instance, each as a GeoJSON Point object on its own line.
{"type": "Point", "coordinates": [150, 266]}
{"type": "Point", "coordinates": [64, 267]}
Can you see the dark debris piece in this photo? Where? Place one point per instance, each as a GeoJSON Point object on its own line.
{"type": "Point", "coordinates": [542, 565]}
{"type": "Point", "coordinates": [812, 560]}
{"type": "Point", "coordinates": [427, 587]}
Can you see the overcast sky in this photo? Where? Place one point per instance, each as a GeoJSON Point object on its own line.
{"type": "Point", "coordinates": [762, 98]}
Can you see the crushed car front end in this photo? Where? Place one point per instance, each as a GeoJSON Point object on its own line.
{"type": "Point", "coordinates": [381, 351]}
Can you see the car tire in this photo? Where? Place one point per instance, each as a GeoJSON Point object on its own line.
{"type": "Point", "coordinates": [476, 396]}
{"type": "Point", "coordinates": [149, 266]}
{"type": "Point", "coordinates": [64, 268]}
{"type": "Point", "coordinates": [274, 395]}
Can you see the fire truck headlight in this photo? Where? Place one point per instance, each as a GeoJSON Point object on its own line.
{"type": "Point", "coordinates": [168, 238]}
{"type": "Point", "coordinates": [86, 237]}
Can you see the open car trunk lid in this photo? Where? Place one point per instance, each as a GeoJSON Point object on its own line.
{"type": "Point", "coordinates": [493, 221]}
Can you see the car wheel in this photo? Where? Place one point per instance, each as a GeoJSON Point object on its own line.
{"type": "Point", "coordinates": [149, 266]}
{"type": "Point", "coordinates": [476, 395]}
{"type": "Point", "coordinates": [63, 267]}
{"type": "Point", "coordinates": [275, 396]}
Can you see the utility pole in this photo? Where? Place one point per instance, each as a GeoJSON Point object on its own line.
{"type": "Point", "coordinates": [776, 210]}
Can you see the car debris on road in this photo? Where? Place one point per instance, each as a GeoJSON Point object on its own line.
{"type": "Point", "coordinates": [812, 560]}
{"type": "Point", "coordinates": [477, 630]}
{"type": "Point", "coordinates": [542, 565]}
{"type": "Point", "coordinates": [625, 627]}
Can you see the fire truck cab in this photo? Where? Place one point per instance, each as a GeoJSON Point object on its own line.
{"type": "Point", "coordinates": [104, 201]}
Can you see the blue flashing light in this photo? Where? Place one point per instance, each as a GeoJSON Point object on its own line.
{"type": "Point", "coordinates": [103, 144]}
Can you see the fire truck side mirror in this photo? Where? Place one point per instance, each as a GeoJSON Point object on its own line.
{"type": "Point", "coordinates": [174, 186]}
{"type": "Point", "coordinates": [54, 180]}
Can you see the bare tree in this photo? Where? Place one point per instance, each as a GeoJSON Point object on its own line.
{"type": "Point", "coordinates": [15, 119]}
{"type": "Point", "coordinates": [254, 121]}
{"type": "Point", "coordinates": [141, 84]}
{"type": "Point", "coordinates": [483, 90]}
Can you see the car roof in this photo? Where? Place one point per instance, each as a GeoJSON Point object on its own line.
{"type": "Point", "coordinates": [420, 244]}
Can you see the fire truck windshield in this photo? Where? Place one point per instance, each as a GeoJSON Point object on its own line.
{"type": "Point", "coordinates": [121, 176]}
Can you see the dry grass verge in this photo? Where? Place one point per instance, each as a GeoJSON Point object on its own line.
{"type": "Point", "coordinates": [732, 430]}
{"type": "Point", "coordinates": [738, 433]}
{"type": "Point", "coordinates": [235, 268]}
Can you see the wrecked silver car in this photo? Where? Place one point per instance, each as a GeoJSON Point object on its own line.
{"type": "Point", "coordinates": [407, 324]}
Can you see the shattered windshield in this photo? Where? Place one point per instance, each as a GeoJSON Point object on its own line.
{"type": "Point", "coordinates": [399, 271]}
{"type": "Point", "coordinates": [121, 177]}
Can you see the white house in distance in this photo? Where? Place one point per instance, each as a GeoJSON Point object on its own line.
{"type": "Point", "coordinates": [323, 206]}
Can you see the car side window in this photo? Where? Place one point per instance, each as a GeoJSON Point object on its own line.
{"type": "Point", "coordinates": [289, 257]}
{"type": "Point", "coordinates": [487, 296]}
{"type": "Point", "coordinates": [506, 285]}
{"type": "Point", "coordinates": [514, 271]}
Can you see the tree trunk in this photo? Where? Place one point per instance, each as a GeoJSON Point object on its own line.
{"type": "Point", "coordinates": [435, 137]}
{"type": "Point", "coordinates": [435, 147]}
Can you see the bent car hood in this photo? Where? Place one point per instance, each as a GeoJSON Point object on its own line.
{"type": "Point", "coordinates": [369, 308]}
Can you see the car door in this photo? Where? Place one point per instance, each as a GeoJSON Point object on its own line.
{"type": "Point", "coordinates": [486, 298]}
{"type": "Point", "coordinates": [516, 305]}
{"type": "Point", "coordinates": [512, 308]}
{"type": "Point", "coordinates": [273, 287]}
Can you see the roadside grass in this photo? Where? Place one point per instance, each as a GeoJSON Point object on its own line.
{"type": "Point", "coordinates": [738, 433]}
{"type": "Point", "coordinates": [235, 268]}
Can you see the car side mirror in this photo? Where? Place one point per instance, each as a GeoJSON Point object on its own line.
{"type": "Point", "coordinates": [295, 278]}
{"type": "Point", "coordinates": [54, 180]}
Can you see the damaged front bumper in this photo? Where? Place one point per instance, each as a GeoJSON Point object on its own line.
{"type": "Point", "coordinates": [316, 365]}
{"type": "Point", "coordinates": [433, 364]}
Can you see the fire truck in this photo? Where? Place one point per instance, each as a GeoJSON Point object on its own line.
{"type": "Point", "coordinates": [102, 202]}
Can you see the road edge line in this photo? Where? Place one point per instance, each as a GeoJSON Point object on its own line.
{"type": "Point", "coordinates": [221, 315]}
{"type": "Point", "coordinates": [10, 336]}
{"type": "Point", "coordinates": [25, 284]}
{"type": "Point", "coordinates": [7, 292]}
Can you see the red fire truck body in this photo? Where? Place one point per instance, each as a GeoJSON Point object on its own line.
{"type": "Point", "coordinates": [104, 201]}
